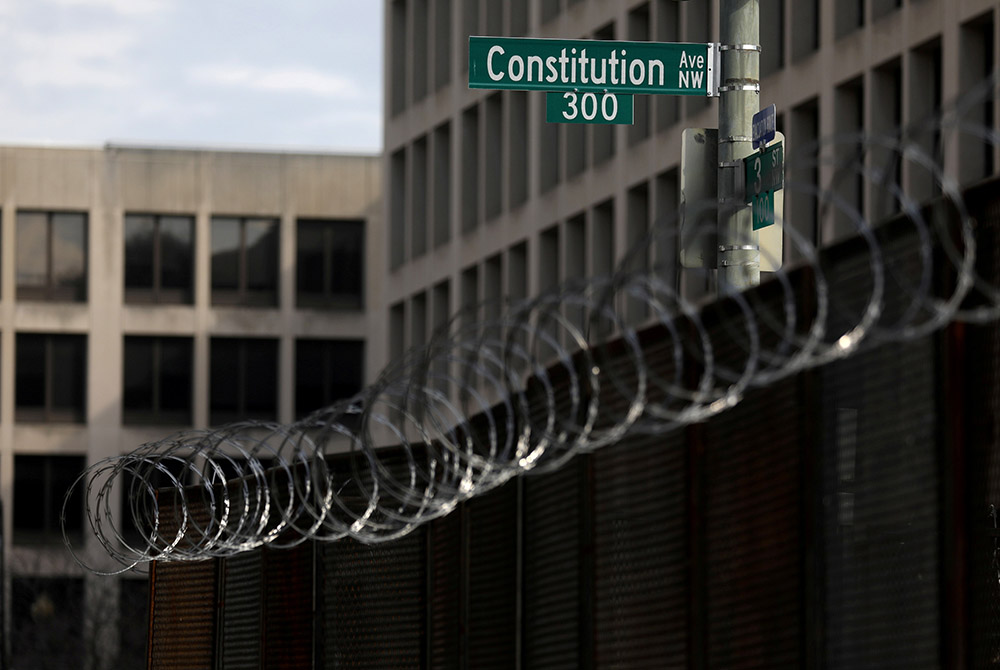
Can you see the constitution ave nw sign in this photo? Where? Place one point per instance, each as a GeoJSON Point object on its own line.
{"type": "Point", "coordinates": [596, 66]}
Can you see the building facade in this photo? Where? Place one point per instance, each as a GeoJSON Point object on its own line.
{"type": "Point", "coordinates": [486, 201]}
{"type": "Point", "coordinates": [148, 290]}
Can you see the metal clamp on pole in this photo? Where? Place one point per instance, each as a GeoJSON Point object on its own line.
{"type": "Point", "coordinates": [732, 139]}
{"type": "Point", "coordinates": [740, 87]}
{"type": "Point", "coordinates": [739, 47]}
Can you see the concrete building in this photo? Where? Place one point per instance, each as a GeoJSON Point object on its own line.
{"type": "Point", "coordinates": [486, 200]}
{"type": "Point", "coordinates": [145, 290]}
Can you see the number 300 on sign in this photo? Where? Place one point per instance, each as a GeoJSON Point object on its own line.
{"type": "Point", "coordinates": [575, 107]}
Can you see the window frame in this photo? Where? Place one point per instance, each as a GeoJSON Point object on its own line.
{"type": "Point", "coordinates": [156, 294]}
{"type": "Point", "coordinates": [327, 298]}
{"type": "Point", "coordinates": [157, 416]}
{"type": "Point", "coordinates": [52, 501]}
{"type": "Point", "coordinates": [325, 347]}
{"type": "Point", "coordinates": [242, 295]}
{"type": "Point", "coordinates": [51, 292]}
{"type": "Point", "coordinates": [240, 381]}
{"type": "Point", "coordinates": [47, 413]}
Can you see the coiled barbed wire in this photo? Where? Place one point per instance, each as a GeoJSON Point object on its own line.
{"type": "Point", "coordinates": [488, 399]}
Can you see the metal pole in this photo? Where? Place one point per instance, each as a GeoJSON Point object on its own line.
{"type": "Point", "coordinates": [739, 100]}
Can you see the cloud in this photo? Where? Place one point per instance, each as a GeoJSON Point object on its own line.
{"type": "Point", "coordinates": [72, 60]}
{"type": "Point", "coordinates": [278, 79]}
{"type": "Point", "coordinates": [120, 7]}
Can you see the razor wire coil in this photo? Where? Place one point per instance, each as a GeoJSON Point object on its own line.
{"type": "Point", "coordinates": [488, 399]}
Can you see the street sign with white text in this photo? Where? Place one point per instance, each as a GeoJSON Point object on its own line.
{"type": "Point", "coordinates": [765, 172]}
{"type": "Point", "coordinates": [764, 126]}
{"type": "Point", "coordinates": [596, 66]}
{"type": "Point", "coordinates": [572, 107]}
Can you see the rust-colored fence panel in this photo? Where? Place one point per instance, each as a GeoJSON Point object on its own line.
{"type": "Point", "coordinates": [182, 626]}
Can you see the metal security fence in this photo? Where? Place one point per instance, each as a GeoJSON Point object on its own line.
{"type": "Point", "coordinates": [844, 517]}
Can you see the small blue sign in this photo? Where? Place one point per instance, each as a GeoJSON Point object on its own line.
{"type": "Point", "coordinates": [763, 126]}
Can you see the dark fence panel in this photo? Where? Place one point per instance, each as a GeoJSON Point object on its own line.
{"type": "Point", "coordinates": [373, 603]}
{"type": "Point", "coordinates": [288, 626]}
{"type": "Point", "coordinates": [553, 602]}
{"type": "Point", "coordinates": [981, 445]}
{"type": "Point", "coordinates": [445, 608]}
{"type": "Point", "coordinates": [640, 554]}
{"type": "Point", "coordinates": [242, 611]}
{"type": "Point", "coordinates": [753, 507]}
{"type": "Point", "coordinates": [881, 494]}
{"type": "Point", "coordinates": [491, 601]}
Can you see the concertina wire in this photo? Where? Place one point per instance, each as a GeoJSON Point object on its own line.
{"type": "Point", "coordinates": [519, 391]}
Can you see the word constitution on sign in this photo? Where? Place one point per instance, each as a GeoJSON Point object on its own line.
{"type": "Point", "coordinates": [591, 65]}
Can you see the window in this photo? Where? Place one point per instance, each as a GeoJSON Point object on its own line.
{"type": "Point", "coordinates": [156, 388]}
{"type": "Point", "coordinates": [51, 373]}
{"type": "Point", "coordinates": [850, 15]}
{"type": "Point", "coordinates": [47, 627]}
{"type": "Point", "coordinates": [243, 380]}
{"type": "Point", "coordinates": [326, 371]}
{"type": "Point", "coordinates": [52, 256]}
{"type": "Point", "coordinates": [244, 261]}
{"type": "Point", "coordinates": [158, 258]}
{"type": "Point", "coordinates": [397, 209]}
{"type": "Point", "coordinates": [40, 483]}
{"type": "Point", "coordinates": [330, 263]}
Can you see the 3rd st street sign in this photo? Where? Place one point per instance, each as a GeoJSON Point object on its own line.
{"type": "Point", "coordinates": [597, 66]}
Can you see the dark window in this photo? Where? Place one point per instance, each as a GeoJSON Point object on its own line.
{"type": "Point", "coordinates": [40, 484]}
{"type": "Point", "coordinates": [158, 258]}
{"type": "Point", "coordinates": [47, 630]}
{"type": "Point", "coordinates": [52, 256]}
{"type": "Point", "coordinates": [326, 371]}
{"type": "Point", "coordinates": [157, 380]}
{"type": "Point", "coordinates": [330, 263]}
{"type": "Point", "coordinates": [244, 261]}
{"type": "Point", "coordinates": [51, 373]}
{"type": "Point", "coordinates": [244, 380]}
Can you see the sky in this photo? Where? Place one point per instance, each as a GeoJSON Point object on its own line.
{"type": "Point", "coordinates": [270, 74]}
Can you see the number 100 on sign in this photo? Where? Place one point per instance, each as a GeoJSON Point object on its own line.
{"type": "Point", "coordinates": [574, 107]}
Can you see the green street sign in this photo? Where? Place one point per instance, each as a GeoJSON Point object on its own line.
{"type": "Point", "coordinates": [764, 171]}
{"type": "Point", "coordinates": [572, 107]}
{"type": "Point", "coordinates": [763, 210]}
{"type": "Point", "coordinates": [595, 66]}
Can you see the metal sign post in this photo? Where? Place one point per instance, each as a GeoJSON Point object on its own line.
{"type": "Point", "coordinates": [739, 93]}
